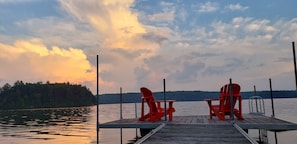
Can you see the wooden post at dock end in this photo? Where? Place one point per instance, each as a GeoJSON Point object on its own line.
{"type": "Point", "coordinates": [294, 57]}
{"type": "Point", "coordinates": [271, 97]}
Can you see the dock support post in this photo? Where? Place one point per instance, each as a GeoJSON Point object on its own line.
{"type": "Point", "coordinates": [121, 135]}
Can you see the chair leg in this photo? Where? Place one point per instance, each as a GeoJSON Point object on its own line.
{"type": "Point", "coordinates": [238, 114]}
{"type": "Point", "coordinates": [210, 114]}
{"type": "Point", "coordinates": [170, 113]}
{"type": "Point", "coordinates": [170, 116]}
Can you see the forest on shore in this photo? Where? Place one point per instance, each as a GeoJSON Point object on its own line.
{"type": "Point", "coordinates": [22, 95]}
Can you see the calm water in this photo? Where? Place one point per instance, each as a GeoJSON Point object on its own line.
{"type": "Point", "coordinates": [78, 125]}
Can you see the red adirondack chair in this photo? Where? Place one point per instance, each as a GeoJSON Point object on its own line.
{"type": "Point", "coordinates": [156, 112]}
{"type": "Point", "coordinates": [224, 103]}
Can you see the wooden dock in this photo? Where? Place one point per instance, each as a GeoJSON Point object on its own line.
{"type": "Point", "coordinates": [194, 134]}
{"type": "Point", "coordinates": [200, 129]}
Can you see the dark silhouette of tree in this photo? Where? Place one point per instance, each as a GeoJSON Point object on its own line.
{"type": "Point", "coordinates": [44, 95]}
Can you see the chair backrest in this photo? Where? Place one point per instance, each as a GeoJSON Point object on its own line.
{"type": "Point", "coordinates": [149, 98]}
{"type": "Point", "coordinates": [225, 101]}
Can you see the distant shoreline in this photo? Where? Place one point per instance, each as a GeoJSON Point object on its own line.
{"type": "Point", "coordinates": [190, 96]}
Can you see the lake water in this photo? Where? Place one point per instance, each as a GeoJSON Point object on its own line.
{"type": "Point", "coordinates": [78, 125]}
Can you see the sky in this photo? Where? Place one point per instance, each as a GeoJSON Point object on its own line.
{"type": "Point", "coordinates": [193, 45]}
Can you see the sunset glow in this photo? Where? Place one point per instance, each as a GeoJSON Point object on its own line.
{"type": "Point", "coordinates": [194, 45]}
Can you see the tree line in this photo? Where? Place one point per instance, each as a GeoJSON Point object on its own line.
{"type": "Point", "coordinates": [44, 95]}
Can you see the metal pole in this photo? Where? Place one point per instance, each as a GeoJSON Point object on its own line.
{"type": "Point", "coordinates": [293, 46]}
{"type": "Point", "coordinates": [272, 105]}
{"type": "Point", "coordinates": [231, 100]}
{"type": "Point", "coordinates": [97, 101]}
{"type": "Point", "coordinates": [121, 114]}
{"type": "Point", "coordinates": [256, 99]}
{"type": "Point", "coordinates": [136, 133]}
{"type": "Point", "coordinates": [255, 91]}
{"type": "Point", "coordinates": [164, 94]}
{"type": "Point", "coordinates": [121, 101]}
{"type": "Point", "coordinates": [271, 97]}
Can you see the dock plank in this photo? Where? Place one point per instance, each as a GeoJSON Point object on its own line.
{"type": "Point", "coordinates": [264, 122]}
{"type": "Point", "coordinates": [251, 121]}
{"type": "Point", "coordinates": [192, 134]}
{"type": "Point", "coordinates": [130, 123]}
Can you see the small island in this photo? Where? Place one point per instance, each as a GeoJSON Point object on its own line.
{"type": "Point", "coordinates": [44, 95]}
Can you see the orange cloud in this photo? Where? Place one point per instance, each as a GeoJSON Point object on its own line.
{"type": "Point", "coordinates": [32, 60]}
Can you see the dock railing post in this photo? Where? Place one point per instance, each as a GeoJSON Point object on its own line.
{"type": "Point", "coordinates": [231, 100]}
{"type": "Point", "coordinates": [164, 94]}
{"type": "Point", "coordinates": [256, 100]}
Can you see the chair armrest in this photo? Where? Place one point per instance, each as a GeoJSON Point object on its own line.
{"type": "Point", "coordinates": [209, 101]}
{"type": "Point", "coordinates": [169, 101]}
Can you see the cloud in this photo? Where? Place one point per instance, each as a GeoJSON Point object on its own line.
{"type": "Point", "coordinates": [259, 25]}
{"type": "Point", "coordinates": [162, 17]}
{"type": "Point", "coordinates": [32, 61]}
{"type": "Point", "coordinates": [237, 7]}
{"type": "Point", "coordinates": [180, 69]}
{"type": "Point", "coordinates": [113, 20]}
{"type": "Point", "coordinates": [59, 31]}
{"type": "Point", "coordinates": [245, 48]}
{"type": "Point", "coordinates": [142, 42]}
{"type": "Point", "coordinates": [15, 1]}
{"type": "Point", "coordinates": [208, 7]}
{"type": "Point", "coordinates": [229, 66]}
{"type": "Point", "coordinates": [124, 41]}
{"type": "Point", "coordinates": [287, 30]}
{"type": "Point", "coordinates": [160, 14]}
{"type": "Point", "coordinates": [188, 72]}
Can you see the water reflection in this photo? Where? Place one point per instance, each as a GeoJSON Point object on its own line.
{"type": "Point", "coordinates": [78, 125]}
{"type": "Point", "coordinates": [45, 124]}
